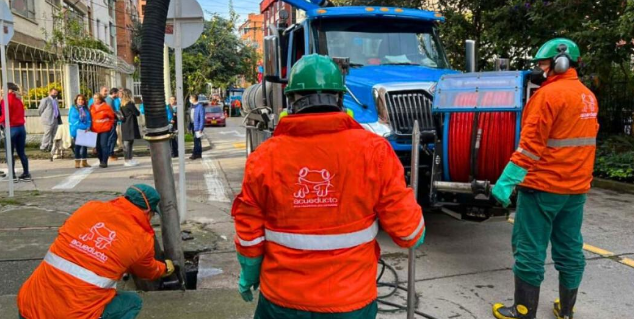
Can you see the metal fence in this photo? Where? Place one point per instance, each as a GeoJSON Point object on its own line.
{"type": "Point", "coordinates": [616, 107]}
{"type": "Point", "coordinates": [35, 72]}
{"type": "Point", "coordinates": [92, 77]}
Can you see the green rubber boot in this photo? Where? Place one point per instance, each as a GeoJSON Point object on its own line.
{"type": "Point", "coordinates": [525, 306]}
{"type": "Point", "coordinates": [564, 306]}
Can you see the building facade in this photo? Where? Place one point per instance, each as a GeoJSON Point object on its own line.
{"type": "Point", "coordinates": [271, 9]}
{"type": "Point", "coordinates": [252, 31]}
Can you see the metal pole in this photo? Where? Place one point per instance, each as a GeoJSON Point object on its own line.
{"type": "Point", "coordinates": [7, 124]}
{"type": "Point", "coordinates": [411, 262]}
{"type": "Point", "coordinates": [166, 73]}
{"type": "Point", "coordinates": [178, 50]}
{"type": "Point", "coordinates": [470, 55]}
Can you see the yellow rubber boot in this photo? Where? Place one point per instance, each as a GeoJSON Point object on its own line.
{"type": "Point", "coordinates": [564, 306]}
{"type": "Point", "coordinates": [525, 306]}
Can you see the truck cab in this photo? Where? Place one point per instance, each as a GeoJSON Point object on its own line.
{"type": "Point", "coordinates": [397, 74]}
{"type": "Point", "coordinates": [395, 58]}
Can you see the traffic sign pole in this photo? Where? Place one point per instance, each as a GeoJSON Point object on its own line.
{"type": "Point", "coordinates": [5, 97]}
{"type": "Point", "coordinates": [178, 64]}
{"type": "Point", "coordinates": [186, 17]}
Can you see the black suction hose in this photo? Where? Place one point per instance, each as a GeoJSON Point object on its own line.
{"type": "Point", "coordinates": [152, 85]}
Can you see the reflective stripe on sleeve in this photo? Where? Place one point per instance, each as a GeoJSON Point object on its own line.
{"type": "Point", "coordinates": [249, 243]}
{"type": "Point", "coordinates": [79, 272]}
{"type": "Point", "coordinates": [323, 242]}
{"type": "Point", "coordinates": [571, 142]}
{"type": "Point", "coordinates": [418, 229]}
{"type": "Point", "coordinates": [528, 154]}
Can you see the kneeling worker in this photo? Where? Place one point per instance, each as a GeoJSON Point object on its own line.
{"type": "Point", "coordinates": [96, 245]}
{"type": "Point", "coordinates": [313, 198]}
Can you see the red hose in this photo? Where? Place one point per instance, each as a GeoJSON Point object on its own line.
{"type": "Point", "coordinates": [497, 141]}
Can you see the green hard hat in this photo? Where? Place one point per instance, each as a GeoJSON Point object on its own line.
{"type": "Point", "coordinates": [141, 195]}
{"type": "Point", "coordinates": [315, 73]}
{"type": "Point", "coordinates": [550, 49]}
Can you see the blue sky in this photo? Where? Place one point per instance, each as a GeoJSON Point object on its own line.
{"type": "Point", "coordinates": [242, 7]}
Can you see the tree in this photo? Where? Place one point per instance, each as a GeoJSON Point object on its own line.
{"type": "Point", "coordinates": [218, 57]}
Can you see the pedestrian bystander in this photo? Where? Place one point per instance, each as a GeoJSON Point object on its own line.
{"type": "Point", "coordinates": [103, 120]}
{"type": "Point", "coordinates": [18, 132]}
{"type": "Point", "coordinates": [172, 115]}
{"type": "Point", "coordinates": [199, 126]}
{"type": "Point", "coordinates": [113, 100]}
{"type": "Point", "coordinates": [130, 127]}
{"type": "Point", "coordinates": [50, 117]}
{"type": "Point", "coordinates": [103, 91]}
{"type": "Point", "coordinates": [79, 119]}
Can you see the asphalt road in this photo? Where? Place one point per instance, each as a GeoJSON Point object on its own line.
{"type": "Point", "coordinates": [462, 269]}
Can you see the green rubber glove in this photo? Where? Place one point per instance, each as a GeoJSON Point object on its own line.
{"type": "Point", "coordinates": [511, 176]}
{"type": "Point", "coordinates": [249, 276]}
{"type": "Point", "coordinates": [421, 240]}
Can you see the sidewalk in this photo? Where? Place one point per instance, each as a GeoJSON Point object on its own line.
{"type": "Point", "coordinates": [29, 223]}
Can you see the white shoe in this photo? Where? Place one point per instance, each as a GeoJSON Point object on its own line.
{"type": "Point", "coordinates": [130, 163]}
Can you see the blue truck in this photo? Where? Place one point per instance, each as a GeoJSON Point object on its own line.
{"type": "Point", "coordinates": [397, 73]}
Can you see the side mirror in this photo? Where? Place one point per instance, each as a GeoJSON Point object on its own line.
{"type": "Point", "coordinates": [271, 59]}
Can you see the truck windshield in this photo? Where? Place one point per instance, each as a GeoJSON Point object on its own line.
{"type": "Point", "coordinates": [371, 41]}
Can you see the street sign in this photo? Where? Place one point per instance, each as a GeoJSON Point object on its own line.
{"type": "Point", "coordinates": [190, 17]}
{"type": "Point", "coordinates": [6, 33]}
{"type": "Point", "coordinates": [7, 26]}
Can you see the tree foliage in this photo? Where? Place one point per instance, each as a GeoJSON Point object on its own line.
{"type": "Point", "coordinates": [218, 57]}
{"type": "Point", "coordinates": [515, 29]}
{"type": "Point", "coordinates": [69, 30]}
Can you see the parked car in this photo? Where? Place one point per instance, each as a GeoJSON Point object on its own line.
{"type": "Point", "coordinates": [214, 116]}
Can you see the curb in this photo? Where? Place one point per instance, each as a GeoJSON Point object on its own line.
{"type": "Point", "coordinates": [613, 185]}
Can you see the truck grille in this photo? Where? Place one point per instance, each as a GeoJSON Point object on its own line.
{"type": "Point", "coordinates": [406, 106]}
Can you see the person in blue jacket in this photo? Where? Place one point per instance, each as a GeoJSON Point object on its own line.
{"type": "Point", "coordinates": [79, 119]}
{"type": "Point", "coordinates": [199, 126]}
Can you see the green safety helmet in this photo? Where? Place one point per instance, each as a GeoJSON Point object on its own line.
{"type": "Point", "coordinates": [563, 52]}
{"type": "Point", "coordinates": [144, 196]}
{"type": "Point", "coordinates": [315, 73]}
{"type": "Point", "coordinates": [319, 81]}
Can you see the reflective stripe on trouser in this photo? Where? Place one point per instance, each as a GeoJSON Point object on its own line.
{"type": "Point", "coordinates": [268, 310]}
{"type": "Point", "coordinates": [542, 217]}
{"type": "Point", "coordinates": [79, 272]}
{"type": "Point", "coordinates": [572, 142]}
{"type": "Point", "coordinates": [323, 242]}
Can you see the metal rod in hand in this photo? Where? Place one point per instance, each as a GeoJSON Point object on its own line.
{"type": "Point", "coordinates": [411, 263]}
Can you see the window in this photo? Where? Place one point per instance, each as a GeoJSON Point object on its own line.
{"type": "Point", "coordinates": [113, 34]}
{"type": "Point", "coordinates": [25, 8]}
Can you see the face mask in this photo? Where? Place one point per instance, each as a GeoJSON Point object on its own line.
{"type": "Point", "coordinates": [538, 76]}
{"type": "Point", "coordinates": [53, 95]}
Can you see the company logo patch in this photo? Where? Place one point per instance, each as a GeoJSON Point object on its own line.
{"type": "Point", "coordinates": [314, 189]}
{"type": "Point", "coordinates": [589, 107]}
{"type": "Point", "coordinates": [99, 236]}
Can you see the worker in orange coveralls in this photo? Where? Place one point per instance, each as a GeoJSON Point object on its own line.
{"type": "Point", "coordinates": [553, 167]}
{"type": "Point", "coordinates": [96, 245]}
{"type": "Point", "coordinates": [313, 198]}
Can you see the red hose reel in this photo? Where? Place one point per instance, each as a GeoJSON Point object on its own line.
{"type": "Point", "coordinates": [497, 141]}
